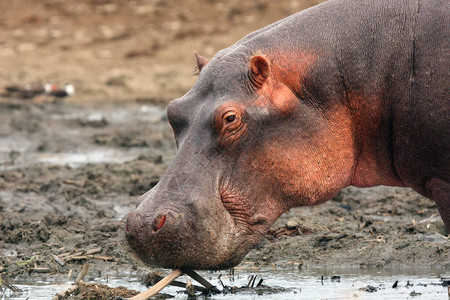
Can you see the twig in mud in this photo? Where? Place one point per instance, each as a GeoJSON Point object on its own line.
{"type": "Point", "coordinates": [58, 260]}
{"type": "Point", "coordinates": [251, 282]}
{"type": "Point", "coordinates": [378, 239]}
{"type": "Point", "coordinates": [93, 251]}
{"type": "Point", "coordinates": [170, 279]}
{"type": "Point", "coordinates": [86, 257]}
{"type": "Point", "coordinates": [83, 273]}
{"type": "Point", "coordinates": [158, 287]}
{"type": "Point", "coordinates": [84, 254]}
{"type": "Point", "coordinates": [199, 279]}
{"type": "Point", "coordinates": [69, 274]}
{"type": "Point", "coordinates": [430, 219]}
{"type": "Point", "coordinates": [190, 289]}
{"type": "Point", "coordinates": [220, 280]}
{"type": "Point", "coordinates": [442, 236]}
{"type": "Point", "coordinates": [73, 288]}
{"type": "Point", "coordinates": [260, 282]}
{"type": "Point", "coordinates": [73, 182]}
{"type": "Point", "coordinates": [8, 285]}
{"type": "Point", "coordinates": [181, 284]}
{"type": "Point", "coordinates": [39, 270]}
{"type": "Point", "coordinates": [64, 255]}
{"type": "Point", "coordinates": [153, 278]}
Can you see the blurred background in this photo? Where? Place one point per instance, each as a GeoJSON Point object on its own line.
{"type": "Point", "coordinates": [123, 50]}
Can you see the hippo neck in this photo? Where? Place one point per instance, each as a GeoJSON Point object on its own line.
{"type": "Point", "coordinates": [373, 150]}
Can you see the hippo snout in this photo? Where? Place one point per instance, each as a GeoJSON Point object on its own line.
{"type": "Point", "coordinates": [146, 228]}
{"type": "Point", "coordinates": [158, 238]}
{"type": "Point", "coordinates": [188, 236]}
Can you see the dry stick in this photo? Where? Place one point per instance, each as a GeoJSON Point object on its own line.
{"type": "Point", "coordinates": [199, 279]}
{"type": "Point", "coordinates": [65, 293]}
{"type": "Point", "coordinates": [252, 284]}
{"type": "Point", "coordinates": [82, 273]}
{"type": "Point", "coordinates": [158, 287]}
{"type": "Point", "coordinates": [64, 255]}
{"type": "Point", "coordinates": [58, 260]}
{"type": "Point", "coordinates": [73, 182]}
{"type": "Point", "coordinates": [429, 219]}
{"type": "Point", "coordinates": [93, 251]}
{"type": "Point", "coordinates": [250, 281]}
{"type": "Point", "coordinates": [181, 284]}
{"type": "Point", "coordinates": [74, 287]}
{"type": "Point", "coordinates": [40, 270]}
{"type": "Point", "coordinates": [90, 256]}
{"type": "Point", "coordinates": [83, 254]}
{"type": "Point", "coordinates": [69, 274]}
{"type": "Point", "coordinates": [67, 256]}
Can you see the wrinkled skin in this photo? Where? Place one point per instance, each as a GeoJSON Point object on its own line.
{"type": "Point", "coordinates": [345, 93]}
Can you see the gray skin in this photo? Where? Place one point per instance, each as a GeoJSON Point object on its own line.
{"type": "Point", "coordinates": [345, 93]}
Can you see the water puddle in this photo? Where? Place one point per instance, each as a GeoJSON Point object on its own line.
{"type": "Point", "coordinates": [73, 160]}
{"type": "Point", "coordinates": [79, 125]}
{"type": "Point", "coordinates": [315, 283]}
{"type": "Point", "coordinates": [91, 157]}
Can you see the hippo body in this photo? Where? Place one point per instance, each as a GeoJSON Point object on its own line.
{"type": "Point", "coordinates": [344, 93]}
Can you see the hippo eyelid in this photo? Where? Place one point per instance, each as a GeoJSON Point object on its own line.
{"type": "Point", "coordinates": [230, 116]}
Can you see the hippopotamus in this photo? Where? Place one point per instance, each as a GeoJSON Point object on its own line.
{"type": "Point", "coordinates": [344, 93]}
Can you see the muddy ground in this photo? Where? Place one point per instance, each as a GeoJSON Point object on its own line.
{"type": "Point", "coordinates": [71, 169]}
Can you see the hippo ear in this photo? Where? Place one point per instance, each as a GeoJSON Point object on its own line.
{"type": "Point", "coordinates": [201, 61]}
{"type": "Point", "coordinates": [259, 70]}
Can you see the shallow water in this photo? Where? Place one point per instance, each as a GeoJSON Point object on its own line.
{"type": "Point", "coordinates": [302, 284]}
{"type": "Point", "coordinates": [19, 151]}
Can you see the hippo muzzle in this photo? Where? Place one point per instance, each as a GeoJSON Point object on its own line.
{"type": "Point", "coordinates": [185, 236]}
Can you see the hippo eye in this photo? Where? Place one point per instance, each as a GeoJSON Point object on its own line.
{"type": "Point", "coordinates": [229, 123]}
{"type": "Point", "coordinates": [230, 118]}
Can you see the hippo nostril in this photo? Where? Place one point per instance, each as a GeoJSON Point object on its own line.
{"type": "Point", "coordinates": [127, 224]}
{"type": "Point", "coordinates": [158, 222]}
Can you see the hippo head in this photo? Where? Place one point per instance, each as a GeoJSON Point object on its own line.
{"type": "Point", "coordinates": [249, 149]}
